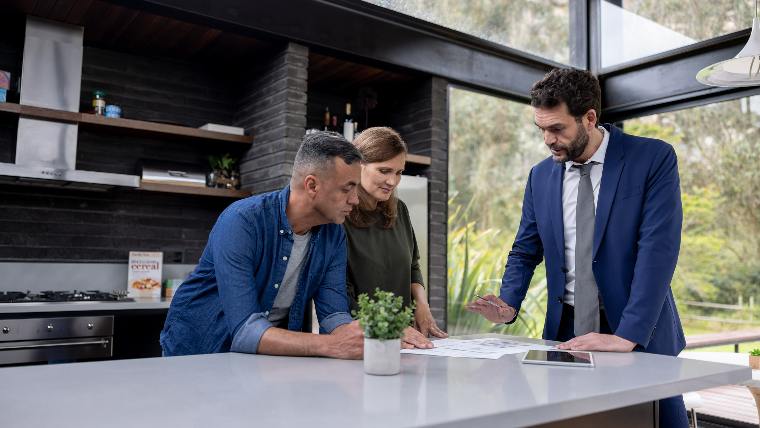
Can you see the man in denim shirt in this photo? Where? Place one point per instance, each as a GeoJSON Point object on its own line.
{"type": "Point", "coordinates": [266, 257]}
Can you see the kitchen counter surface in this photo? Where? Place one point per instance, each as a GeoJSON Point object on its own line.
{"type": "Point", "coordinates": [40, 307]}
{"type": "Point", "coordinates": [239, 390]}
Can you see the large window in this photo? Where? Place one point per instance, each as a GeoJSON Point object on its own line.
{"type": "Point", "coordinates": [541, 27]}
{"type": "Point", "coordinates": [492, 145]}
{"type": "Point", "coordinates": [633, 29]}
{"type": "Point", "coordinates": [718, 273]}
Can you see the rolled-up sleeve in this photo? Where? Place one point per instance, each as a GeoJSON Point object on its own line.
{"type": "Point", "coordinates": [249, 334]}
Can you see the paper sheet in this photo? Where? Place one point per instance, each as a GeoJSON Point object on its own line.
{"type": "Point", "coordinates": [490, 348]}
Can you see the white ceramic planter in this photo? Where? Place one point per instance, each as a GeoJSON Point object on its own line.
{"type": "Point", "coordinates": [382, 357]}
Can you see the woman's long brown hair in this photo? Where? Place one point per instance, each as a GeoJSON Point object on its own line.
{"type": "Point", "coordinates": [377, 144]}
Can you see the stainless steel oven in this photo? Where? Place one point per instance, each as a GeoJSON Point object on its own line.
{"type": "Point", "coordinates": [73, 338]}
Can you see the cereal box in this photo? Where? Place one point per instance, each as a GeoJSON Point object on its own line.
{"type": "Point", "coordinates": [5, 80]}
{"type": "Point", "coordinates": [144, 274]}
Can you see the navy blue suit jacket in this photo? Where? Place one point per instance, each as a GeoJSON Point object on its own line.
{"type": "Point", "coordinates": [637, 237]}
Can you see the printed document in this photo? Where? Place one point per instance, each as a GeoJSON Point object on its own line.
{"type": "Point", "coordinates": [490, 348]}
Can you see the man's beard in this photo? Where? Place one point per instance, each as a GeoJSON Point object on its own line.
{"type": "Point", "coordinates": [575, 148]}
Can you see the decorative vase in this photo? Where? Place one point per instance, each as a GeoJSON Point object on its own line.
{"type": "Point", "coordinates": [754, 362]}
{"type": "Point", "coordinates": [382, 357]}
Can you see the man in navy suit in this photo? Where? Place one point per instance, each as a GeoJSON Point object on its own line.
{"type": "Point", "coordinates": [604, 213]}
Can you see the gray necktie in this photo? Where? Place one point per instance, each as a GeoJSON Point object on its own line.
{"type": "Point", "coordinates": [586, 292]}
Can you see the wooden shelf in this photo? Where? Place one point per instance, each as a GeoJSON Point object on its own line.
{"type": "Point", "coordinates": [192, 190]}
{"type": "Point", "coordinates": [418, 159]}
{"type": "Point", "coordinates": [121, 123]}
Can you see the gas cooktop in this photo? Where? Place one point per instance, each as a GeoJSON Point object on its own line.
{"type": "Point", "coordinates": [64, 296]}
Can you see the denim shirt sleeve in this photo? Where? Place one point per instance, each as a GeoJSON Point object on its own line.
{"type": "Point", "coordinates": [235, 253]}
{"type": "Point", "coordinates": [331, 301]}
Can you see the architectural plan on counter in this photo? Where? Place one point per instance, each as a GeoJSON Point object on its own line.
{"type": "Point", "coordinates": [477, 348]}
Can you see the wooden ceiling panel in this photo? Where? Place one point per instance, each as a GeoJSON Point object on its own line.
{"type": "Point", "coordinates": [342, 75]}
{"type": "Point", "coordinates": [43, 7]}
{"type": "Point", "coordinates": [78, 12]}
{"type": "Point", "coordinates": [117, 27]}
{"type": "Point", "coordinates": [61, 9]}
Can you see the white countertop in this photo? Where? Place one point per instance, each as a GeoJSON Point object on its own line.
{"type": "Point", "coordinates": [239, 390]}
{"type": "Point", "coordinates": [34, 307]}
{"type": "Point", "coordinates": [736, 358]}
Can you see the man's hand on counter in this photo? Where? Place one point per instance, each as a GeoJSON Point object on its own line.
{"type": "Point", "coordinates": [598, 342]}
{"type": "Point", "coordinates": [346, 342]}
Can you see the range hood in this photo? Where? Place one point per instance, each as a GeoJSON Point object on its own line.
{"type": "Point", "coordinates": [51, 77]}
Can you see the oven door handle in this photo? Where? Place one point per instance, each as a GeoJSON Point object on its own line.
{"type": "Point", "coordinates": [103, 342]}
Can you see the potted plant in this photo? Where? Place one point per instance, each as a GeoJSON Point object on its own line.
{"type": "Point", "coordinates": [223, 173]}
{"type": "Point", "coordinates": [383, 319]}
{"type": "Point", "coordinates": [754, 359]}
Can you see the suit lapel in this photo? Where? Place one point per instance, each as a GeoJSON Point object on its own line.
{"type": "Point", "coordinates": [613, 167]}
{"type": "Point", "coordinates": [555, 203]}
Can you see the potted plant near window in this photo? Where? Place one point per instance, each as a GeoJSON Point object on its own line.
{"type": "Point", "coordinates": [754, 359]}
{"type": "Point", "coordinates": [383, 320]}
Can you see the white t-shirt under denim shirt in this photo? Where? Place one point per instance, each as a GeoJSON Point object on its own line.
{"type": "Point", "coordinates": [286, 291]}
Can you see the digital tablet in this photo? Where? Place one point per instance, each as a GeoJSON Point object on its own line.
{"type": "Point", "coordinates": [560, 358]}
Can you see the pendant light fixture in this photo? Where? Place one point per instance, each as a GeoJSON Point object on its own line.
{"type": "Point", "coordinates": [741, 70]}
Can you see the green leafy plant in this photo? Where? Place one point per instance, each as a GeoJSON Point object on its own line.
{"type": "Point", "coordinates": [755, 352]}
{"type": "Point", "coordinates": [383, 317]}
{"type": "Point", "coordinates": [223, 163]}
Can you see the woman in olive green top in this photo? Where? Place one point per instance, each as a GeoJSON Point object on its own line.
{"type": "Point", "coordinates": [382, 249]}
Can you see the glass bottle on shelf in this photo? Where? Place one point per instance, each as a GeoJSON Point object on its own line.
{"type": "Point", "coordinates": [327, 118]}
{"type": "Point", "coordinates": [99, 103]}
{"type": "Point", "coordinates": [348, 124]}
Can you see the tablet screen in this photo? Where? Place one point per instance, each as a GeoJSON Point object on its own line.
{"type": "Point", "coordinates": [573, 358]}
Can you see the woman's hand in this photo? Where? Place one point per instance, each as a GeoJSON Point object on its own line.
{"type": "Point", "coordinates": [425, 323]}
{"type": "Point", "coordinates": [414, 339]}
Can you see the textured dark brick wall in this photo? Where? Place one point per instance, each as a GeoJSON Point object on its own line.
{"type": "Point", "coordinates": [439, 188]}
{"type": "Point", "coordinates": [422, 119]}
{"type": "Point", "coordinates": [273, 108]}
{"type": "Point", "coordinates": [159, 89]}
{"type": "Point", "coordinates": [62, 225]}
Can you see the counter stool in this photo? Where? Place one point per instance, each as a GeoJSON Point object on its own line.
{"type": "Point", "coordinates": [692, 400]}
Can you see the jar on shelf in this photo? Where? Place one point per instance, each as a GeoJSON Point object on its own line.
{"type": "Point", "coordinates": [99, 103]}
{"type": "Point", "coordinates": [113, 111]}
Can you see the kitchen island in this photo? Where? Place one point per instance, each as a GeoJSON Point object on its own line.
{"type": "Point", "coordinates": [239, 390]}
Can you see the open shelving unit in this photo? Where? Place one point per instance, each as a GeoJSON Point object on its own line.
{"type": "Point", "coordinates": [192, 190]}
{"type": "Point", "coordinates": [418, 160]}
{"type": "Point", "coordinates": [86, 119]}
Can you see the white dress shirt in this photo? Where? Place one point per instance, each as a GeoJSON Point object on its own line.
{"type": "Point", "coordinates": [569, 202]}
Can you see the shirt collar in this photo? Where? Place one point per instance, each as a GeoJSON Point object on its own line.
{"type": "Point", "coordinates": [598, 156]}
{"type": "Point", "coordinates": [284, 224]}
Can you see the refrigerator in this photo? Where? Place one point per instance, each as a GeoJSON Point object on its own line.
{"type": "Point", "coordinates": [413, 190]}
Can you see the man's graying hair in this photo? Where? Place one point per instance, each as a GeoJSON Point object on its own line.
{"type": "Point", "coordinates": [316, 154]}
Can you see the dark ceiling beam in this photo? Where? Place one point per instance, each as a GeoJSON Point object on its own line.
{"type": "Point", "coordinates": [668, 81]}
{"type": "Point", "coordinates": [364, 30]}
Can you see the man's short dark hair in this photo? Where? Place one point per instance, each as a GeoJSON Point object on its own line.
{"type": "Point", "coordinates": [578, 89]}
{"type": "Point", "coordinates": [318, 150]}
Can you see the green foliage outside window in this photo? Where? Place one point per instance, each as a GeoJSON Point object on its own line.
{"type": "Point", "coordinates": [493, 144]}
